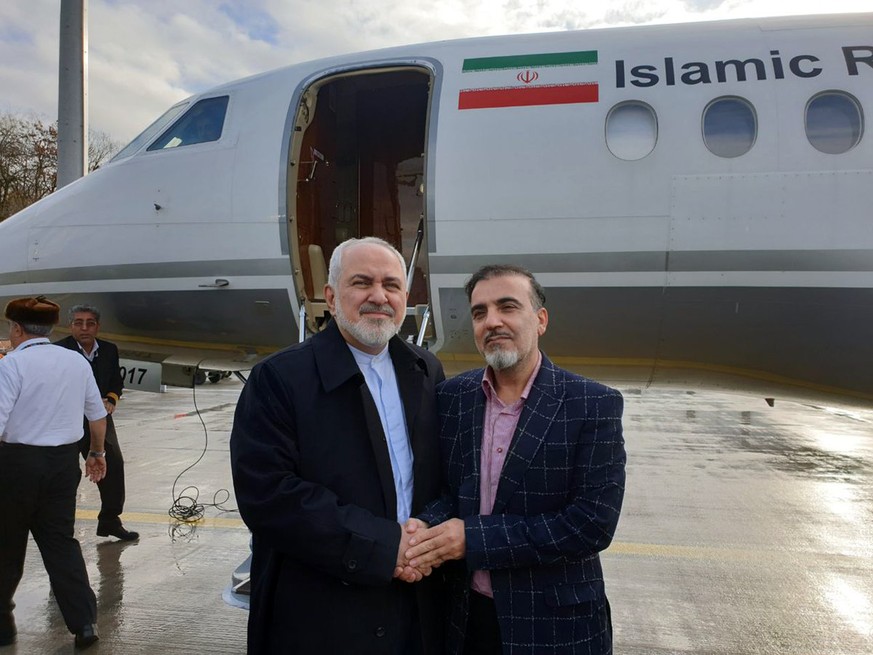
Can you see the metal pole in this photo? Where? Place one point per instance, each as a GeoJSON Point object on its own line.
{"type": "Point", "coordinates": [73, 92]}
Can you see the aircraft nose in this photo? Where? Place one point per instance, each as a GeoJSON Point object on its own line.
{"type": "Point", "coordinates": [14, 253]}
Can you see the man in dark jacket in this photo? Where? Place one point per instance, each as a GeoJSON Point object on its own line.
{"type": "Point", "coordinates": [333, 448]}
{"type": "Point", "coordinates": [534, 464]}
{"type": "Point", "coordinates": [103, 357]}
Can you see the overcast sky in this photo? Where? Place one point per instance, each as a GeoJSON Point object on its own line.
{"type": "Point", "coordinates": [144, 55]}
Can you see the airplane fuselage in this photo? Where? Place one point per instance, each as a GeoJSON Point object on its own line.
{"type": "Point", "coordinates": [696, 199]}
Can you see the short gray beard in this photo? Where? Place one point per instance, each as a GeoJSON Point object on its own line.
{"type": "Point", "coordinates": [501, 359]}
{"type": "Point", "coordinates": [372, 334]}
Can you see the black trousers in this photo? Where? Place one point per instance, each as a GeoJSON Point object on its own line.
{"type": "Point", "coordinates": [38, 495]}
{"type": "Point", "coordinates": [112, 485]}
{"type": "Point", "coordinates": [483, 631]}
{"type": "Point", "coordinates": [409, 624]}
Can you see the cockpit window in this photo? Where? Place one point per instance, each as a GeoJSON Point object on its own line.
{"type": "Point", "coordinates": [149, 133]}
{"type": "Point", "coordinates": [200, 124]}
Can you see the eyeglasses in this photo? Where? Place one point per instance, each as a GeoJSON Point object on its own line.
{"type": "Point", "coordinates": [79, 323]}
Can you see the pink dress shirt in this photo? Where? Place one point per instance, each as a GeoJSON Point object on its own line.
{"type": "Point", "coordinates": [499, 427]}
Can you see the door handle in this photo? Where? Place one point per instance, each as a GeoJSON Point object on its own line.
{"type": "Point", "coordinates": [218, 284]}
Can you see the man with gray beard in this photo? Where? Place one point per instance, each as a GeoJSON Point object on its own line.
{"type": "Point", "coordinates": [333, 448]}
{"type": "Point", "coordinates": [534, 461]}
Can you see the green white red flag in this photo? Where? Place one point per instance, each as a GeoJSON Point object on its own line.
{"type": "Point", "coordinates": [551, 78]}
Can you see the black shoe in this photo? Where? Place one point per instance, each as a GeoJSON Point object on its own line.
{"type": "Point", "coordinates": [8, 633]}
{"type": "Point", "coordinates": [117, 531]}
{"type": "Point", "coordinates": [86, 636]}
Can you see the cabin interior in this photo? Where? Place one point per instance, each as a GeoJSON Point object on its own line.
{"type": "Point", "coordinates": [359, 170]}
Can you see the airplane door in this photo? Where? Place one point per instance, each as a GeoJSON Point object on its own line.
{"type": "Point", "coordinates": [358, 169]}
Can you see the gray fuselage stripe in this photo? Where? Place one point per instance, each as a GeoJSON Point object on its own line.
{"type": "Point", "coordinates": [219, 268]}
{"type": "Point", "coordinates": [614, 262]}
{"type": "Point", "coordinates": [696, 261]}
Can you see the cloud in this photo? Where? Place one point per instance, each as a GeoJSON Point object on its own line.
{"type": "Point", "coordinates": [143, 60]}
{"type": "Point", "coordinates": [145, 55]}
{"type": "Point", "coordinates": [257, 23]}
{"type": "Point", "coordinates": [703, 5]}
{"type": "Point", "coordinates": [29, 57]}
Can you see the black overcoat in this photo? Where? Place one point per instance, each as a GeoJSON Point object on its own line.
{"type": "Point", "coordinates": [313, 482]}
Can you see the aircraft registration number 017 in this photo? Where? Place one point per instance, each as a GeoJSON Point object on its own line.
{"type": "Point", "coordinates": [140, 375]}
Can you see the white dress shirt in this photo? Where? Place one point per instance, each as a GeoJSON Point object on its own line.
{"type": "Point", "coordinates": [89, 356]}
{"type": "Point", "coordinates": [381, 379]}
{"type": "Point", "coordinates": [44, 391]}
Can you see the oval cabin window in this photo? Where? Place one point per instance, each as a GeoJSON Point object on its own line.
{"type": "Point", "coordinates": [631, 130]}
{"type": "Point", "coordinates": [834, 122]}
{"type": "Point", "coordinates": [730, 127]}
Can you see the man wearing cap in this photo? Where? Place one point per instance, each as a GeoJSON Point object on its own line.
{"type": "Point", "coordinates": [103, 357]}
{"type": "Point", "coordinates": [44, 391]}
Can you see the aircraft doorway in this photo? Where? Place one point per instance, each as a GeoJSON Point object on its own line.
{"type": "Point", "coordinates": [358, 169]}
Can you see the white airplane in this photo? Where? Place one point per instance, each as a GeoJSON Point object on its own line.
{"type": "Point", "coordinates": [695, 198]}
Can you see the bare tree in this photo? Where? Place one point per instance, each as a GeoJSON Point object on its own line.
{"type": "Point", "coordinates": [29, 158]}
{"type": "Point", "coordinates": [101, 148]}
{"type": "Point", "coordinates": [14, 163]}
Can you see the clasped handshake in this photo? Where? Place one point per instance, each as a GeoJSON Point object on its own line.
{"type": "Point", "coordinates": [422, 548]}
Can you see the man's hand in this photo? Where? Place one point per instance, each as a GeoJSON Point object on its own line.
{"type": "Point", "coordinates": [95, 468]}
{"type": "Point", "coordinates": [108, 406]}
{"type": "Point", "coordinates": [432, 547]}
{"type": "Point", "coordinates": [403, 570]}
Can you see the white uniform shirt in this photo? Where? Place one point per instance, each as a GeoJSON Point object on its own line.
{"type": "Point", "coordinates": [44, 391]}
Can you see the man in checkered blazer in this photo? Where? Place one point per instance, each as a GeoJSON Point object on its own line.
{"type": "Point", "coordinates": [534, 467]}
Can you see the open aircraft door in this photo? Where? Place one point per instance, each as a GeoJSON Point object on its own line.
{"type": "Point", "coordinates": [357, 168]}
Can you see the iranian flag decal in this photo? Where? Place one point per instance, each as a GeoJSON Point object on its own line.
{"type": "Point", "coordinates": [518, 80]}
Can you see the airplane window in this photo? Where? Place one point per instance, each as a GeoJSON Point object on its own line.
{"type": "Point", "coordinates": [729, 127]}
{"type": "Point", "coordinates": [200, 124]}
{"type": "Point", "coordinates": [834, 122]}
{"type": "Point", "coordinates": [631, 130]}
{"type": "Point", "coordinates": [148, 133]}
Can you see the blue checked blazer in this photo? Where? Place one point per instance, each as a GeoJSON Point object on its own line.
{"type": "Point", "coordinates": [556, 508]}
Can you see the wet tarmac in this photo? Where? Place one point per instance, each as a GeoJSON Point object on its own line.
{"type": "Point", "coordinates": [746, 530]}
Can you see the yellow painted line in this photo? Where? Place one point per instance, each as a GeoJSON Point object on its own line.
{"type": "Point", "coordinates": [617, 547]}
{"type": "Point", "coordinates": [164, 519]}
{"type": "Point", "coordinates": [763, 554]}
{"type": "Point", "coordinates": [621, 548]}
{"type": "Point", "coordinates": [680, 552]}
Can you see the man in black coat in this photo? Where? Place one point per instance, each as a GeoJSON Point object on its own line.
{"type": "Point", "coordinates": [103, 357]}
{"type": "Point", "coordinates": [333, 448]}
